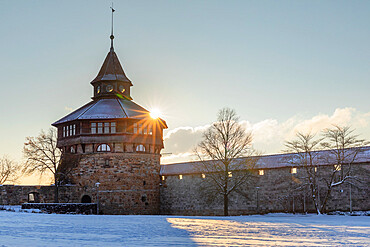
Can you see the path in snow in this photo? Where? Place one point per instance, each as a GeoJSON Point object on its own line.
{"type": "Point", "coordinates": [27, 229]}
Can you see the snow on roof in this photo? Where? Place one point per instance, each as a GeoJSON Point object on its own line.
{"type": "Point", "coordinates": [110, 108]}
{"type": "Point", "coordinates": [264, 162]}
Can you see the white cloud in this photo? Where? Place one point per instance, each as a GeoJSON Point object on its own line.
{"type": "Point", "coordinates": [179, 157]}
{"type": "Point", "coordinates": [268, 135]}
{"type": "Point", "coordinates": [68, 109]}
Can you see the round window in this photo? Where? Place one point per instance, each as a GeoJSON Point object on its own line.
{"type": "Point", "coordinates": [109, 88]}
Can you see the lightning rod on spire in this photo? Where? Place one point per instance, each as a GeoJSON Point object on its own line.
{"type": "Point", "coordinates": [112, 36]}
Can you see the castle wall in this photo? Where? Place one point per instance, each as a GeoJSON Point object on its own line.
{"type": "Point", "coordinates": [122, 189]}
{"type": "Point", "coordinates": [18, 194]}
{"type": "Point", "coordinates": [276, 191]}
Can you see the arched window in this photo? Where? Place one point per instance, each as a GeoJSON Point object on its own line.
{"type": "Point", "coordinates": [73, 150]}
{"type": "Point", "coordinates": [103, 148]}
{"type": "Point", "coordinates": [140, 148]}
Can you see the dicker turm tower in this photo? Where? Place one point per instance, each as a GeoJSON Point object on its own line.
{"type": "Point", "coordinates": [114, 142]}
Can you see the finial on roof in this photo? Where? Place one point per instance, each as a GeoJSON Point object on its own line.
{"type": "Point", "coordinates": [112, 36]}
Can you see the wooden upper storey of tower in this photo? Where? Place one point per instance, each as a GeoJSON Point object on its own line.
{"type": "Point", "coordinates": [110, 119]}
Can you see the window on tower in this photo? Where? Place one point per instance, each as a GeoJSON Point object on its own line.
{"type": "Point", "coordinates": [140, 148]}
{"type": "Point", "coordinates": [106, 127]}
{"type": "Point", "coordinates": [113, 127]}
{"type": "Point", "coordinates": [93, 128]}
{"type": "Point", "coordinates": [103, 128]}
{"type": "Point", "coordinates": [100, 128]}
{"type": "Point", "coordinates": [103, 148]}
{"type": "Point", "coordinates": [69, 130]}
{"type": "Point", "coordinates": [142, 129]}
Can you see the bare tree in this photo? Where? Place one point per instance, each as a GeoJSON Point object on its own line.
{"type": "Point", "coordinates": [306, 147]}
{"type": "Point", "coordinates": [9, 170]}
{"type": "Point", "coordinates": [226, 155]}
{"type": "Point", "coordinates": [337, 149]}
{"type": "Point", "coordinates": [343, 149]}
{"type": "Point", "coordinates": [43, 156]}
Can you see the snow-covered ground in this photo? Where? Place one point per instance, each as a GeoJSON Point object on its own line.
{"type": "Point", "coordinates": [33, 229]}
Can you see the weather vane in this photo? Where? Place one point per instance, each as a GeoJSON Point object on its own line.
{"type": "Point", "coordinates": [112, 36]}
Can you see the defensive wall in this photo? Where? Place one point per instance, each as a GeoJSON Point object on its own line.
{"type": "Point", "coordinates": [19, 194]}
{"type": "Point", "coordinates": [276, 185]}
{"type": "Point", "coordinates": [182, 190]}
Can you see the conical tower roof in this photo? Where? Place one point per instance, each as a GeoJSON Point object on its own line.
{"type": "Point", "coordinates": [111, 69]}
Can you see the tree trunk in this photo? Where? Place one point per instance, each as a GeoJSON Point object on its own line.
{"type": "Point", "coordinates": [323, 207]}
{"type": "Point", "coordinates": [226, 205]}
{"type": "Point", "coordinates": [314, 197]}
{"type": "Point", "coordinates": [56, 189]}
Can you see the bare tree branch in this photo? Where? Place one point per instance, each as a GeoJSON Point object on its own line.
{"type": "Point", "coordinates": [42, 155]}
{"type": "Point", "coordinates": [225, 155]}
{"type": "Point", "coordinates": [341, 148]}
{"type": "Point", "coordinates": [9, 170]}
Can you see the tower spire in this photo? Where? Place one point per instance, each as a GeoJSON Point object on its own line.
{"type": "Point", "coordinates": [112, 36]}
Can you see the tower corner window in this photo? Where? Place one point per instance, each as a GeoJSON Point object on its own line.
{"type": "Point", "coordinates": [69, 130]}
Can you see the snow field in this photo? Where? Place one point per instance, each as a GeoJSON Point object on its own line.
{"type": "Point", "coordinates": [33, 229]}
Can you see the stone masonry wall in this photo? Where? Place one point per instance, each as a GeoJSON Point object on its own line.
{"type": "Point", "coordinates": [17, 194]}
{"type": "Point", "coordinates": [129, 182]}
{"type": "Point", "coordinates": [123, 191]}
{"type": "Point", "coordinates": [276, 191]}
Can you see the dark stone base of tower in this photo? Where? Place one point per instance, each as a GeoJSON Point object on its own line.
{"type": "Point", "coordinates": [128, 182]}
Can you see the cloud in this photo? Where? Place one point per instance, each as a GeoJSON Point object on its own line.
{"type": "Point", "coordinates": [179, 157]}
{"type": "Point", "coordinates": [68, 109]}
{"type": "Point", "coordinates": [268, 135]}
{"type": "Point", "coordinates": [183, 138]}
{"type": "Point", "coordinates": [317, 123]}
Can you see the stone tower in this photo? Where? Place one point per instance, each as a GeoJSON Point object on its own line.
{"type": "Point", "coordinates": [111, 147]}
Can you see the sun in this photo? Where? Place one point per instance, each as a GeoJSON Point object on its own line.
{"type": "Point", "coordinates": [155, 113]}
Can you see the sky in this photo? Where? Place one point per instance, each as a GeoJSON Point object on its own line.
{"type": "Point", "coordinates": [284, 66]}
